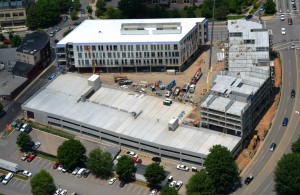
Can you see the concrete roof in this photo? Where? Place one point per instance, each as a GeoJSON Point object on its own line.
{"type": "Point", "coordinates": [110, 31]}
{"type": "Point", "coordinates": [33, 42]}
{"type": "Point", "coordinates": [108, 108]}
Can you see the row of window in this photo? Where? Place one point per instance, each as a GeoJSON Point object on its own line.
{"type": "Point", "coordinates": [8, 15]}
{"type": "Point", "coordinates": [118, 55]}
{"type": "Point", "coordinates": [151, 47]}
{"type": "Point", "coordinates": [172, 61]}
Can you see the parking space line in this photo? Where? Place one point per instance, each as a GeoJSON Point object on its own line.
{"type": "Point", "coordinates": [38, 161]}
{"type": "Point", "coordinates": [25, 185]}
{"type": "Point", "coordinates": [129, 187]}
{"type": "Point", "coordinates": [140, 190]}
{"type": "Point", "coordinates": [135, 188]}
{"type": "Point", "coordinates": [14, 182]}
{"type": "Point", "coordinates": [20, 183]}
{"type": "Point", "coordinates": [145, 192]}
{"type": "Point", "coordinates": [43, 163]}
{"type": "Point", "coordinates": [48, 165]}
{"type": "Point", "coordinates": [15, 155]}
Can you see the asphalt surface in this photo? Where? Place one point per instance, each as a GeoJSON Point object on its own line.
{"type": "Point", "coordinates": [265, 161]}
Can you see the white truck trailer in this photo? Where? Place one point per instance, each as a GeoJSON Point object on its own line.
{"type": "Point", "coordinates": [10, 166]}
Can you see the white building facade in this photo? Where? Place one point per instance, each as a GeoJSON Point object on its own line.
{"type": "Point", "coordinates": [139, 45]}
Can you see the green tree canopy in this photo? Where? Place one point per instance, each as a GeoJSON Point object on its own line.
{"type": "Point", "coordinates": [287, 174]}
{"type": "Point", "coordinates": [131, 8]}
{"type": "Point", "coordinates": [16, 41]}
{"type": "Point", "coordinates": [23, 140]}
{"type": "Point", "coordinates": [200, 183]}
{"type": "Point", "coordinates": [74, 15]}
{"type": "Point", "coordinates": [42, 183]}
{"type": "Point", "coordinates": [155, 174]}
{"type": "Point", "coordinates": [221, 167]}
{"type": "Point", "coordinates": [112, 13]}
{"type": "Point", "coordinates": [125, 167]}
{"type": "Point", "coordinates": [1, 105]}
{"type": "Point", "coordinates": [100, 7]}
{"type": "Point", "coordinates": [89, 9]}
{"type": "Point", "coordinates": [100, 163]}
{"type": "Point", "coordinates": [166, 190]}
{"type": "Point", "coordinates": [76, 5]}
{"type": "Point", "coordinates": [44, 13]}
{"type": "Point", "coordinates": [71, 153]}
{"type": "Point", "coordinates": [2, 38]}
{"type": "Point", "coordinates": [295, 146]}
{"type": "Point", "coordinates": [270, 7]}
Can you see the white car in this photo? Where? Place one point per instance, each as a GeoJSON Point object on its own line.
{"type": "Point", "coordinates": [58, 191]}
{"type": "Point", "coordinates": [153, 192]}
{"type": "Point", "coordinates": [283, 31]}
{"type": "Point", "coordinates": [172, 184]}
{"type": "Point", "coordinates": [168, 93]}
{"type": "Point", "coordinates": [112, 180]}
{"type": "Point", "coordinates": [26, 173]}
{"type": "Point", "coordinates": [63, 192]}
{"type": "Point", "coordinates": [132, 154]}
{"type": "Point", "coordinates": [282, 17]}
{"type": "Point", "coordinates": [178, 185]}
{"type": "Point", "coordinates": [183, 167]}
{"type": "Point", "coordinates": [36, 145]}
{"type": "Point", "coordinates": [75, 170]}
{"type": "Point", "coordinates": [60, 167]}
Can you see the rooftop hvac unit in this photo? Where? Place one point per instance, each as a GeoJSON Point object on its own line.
{"type": "Point", "coordinates": [173, 124]}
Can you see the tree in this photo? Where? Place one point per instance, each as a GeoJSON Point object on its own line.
{"type": "Point", "coordinates": [101, 7]}
{"type": "Point", "coordinates": [42, 183]}
{"type": "Point", "coordinates": [112, 13]}
{"type": "Point", "coordinates": [16, 41]}
{"type": "Point", "coordinates": [74, 15]}
{"type": "Point", "coordinates": [89, 9]}
{"type": "Point", "coordinates": [131, 8]}
{"type": "Point", "coordinates": [23, 140]}
{"type": "Point", "coordinates": [270, 7]}
{"type": "Point", "coordinates": [71, 153]}
{"type": "Point", "coordinates": [2, 38]}
{"type": "Point", "coordinates": [155, 174]}
{"type": "Point", "coordinates": [39, 30]}
{"type": "Point", "coordinates": [200, 183]}
{"type": "Point", "coordinates": [295, 146]}
{"type": "Point", "coordinates": [44, 13]}
{"type": "Point", "coordinates": [100, 163]}
{"type": "Point", "coordinates": [1, 105]}
{"type": "Point", "coordinates": [166, 190]}
{"type": "Point", "coordinates": [125, 167]}
{"type": "Point", "coordinates": [287, 174]}
{"type": "Point", "coordinates": [221, 167]}
{"type": "Point", "coordinates": [76, 5]}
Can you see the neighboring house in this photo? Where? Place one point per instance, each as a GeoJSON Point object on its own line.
{"type": "Point", "coordinates": [134, 45]}
{"type": "Point", "coordinates": [13, 12]}
{"type": "Point", "coordinates": [33, 55]}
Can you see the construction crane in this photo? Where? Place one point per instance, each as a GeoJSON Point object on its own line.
{"type": "Point", "coordinates": [88, 48]}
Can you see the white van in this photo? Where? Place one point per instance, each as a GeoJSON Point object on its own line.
{"type": "Point", "coordinates": [80, 172]}
{"type": "Point", "coordinates": [7, 177]}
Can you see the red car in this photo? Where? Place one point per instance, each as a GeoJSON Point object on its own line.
{"type": "Point", "coordinates": [56, 165]}
{"type": "Point", "coordinates": [31, 157]}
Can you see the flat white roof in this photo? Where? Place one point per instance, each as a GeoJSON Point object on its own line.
{"type": "Point", "coordinates": [109, 31]}
{"type": "Point", "coordinates": [108, 109]}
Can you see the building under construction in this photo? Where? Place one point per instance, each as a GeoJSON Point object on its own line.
{"type": "Point", "coordinates": [241, 93]}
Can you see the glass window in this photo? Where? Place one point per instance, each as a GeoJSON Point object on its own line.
{"type": "Point", "coordinates": [138, 47]}
{"type": "Point", "coordinates": [79, 55]}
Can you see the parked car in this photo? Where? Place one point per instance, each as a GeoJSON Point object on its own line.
{"type": "Point", "coordinates": [25, 128]}
{"type": "Point", "coordinates": [192, 88]}
{"type": "Point", "coordinates": [170, 179]}
{"type": "Point", "coordinates": [183, 167]}
{"type": "Point", "coordinates": [86, 173]}
{"type": "Point", "coordinates": [122, 183]}
{"type": "Point", "coordinates": [132, 154]}
{"type": "Point", "coordinates": [153, 192]}
{"type": "Point", "coordinates": [125, 82]}
{"type": "Point", "coordinates": [65, 18]}
{"type": "Point", "coordinates": [272, 147]}
{"type": "Point", "coordinates": [172, 184]}
{"type": "Point", "coordinates": [2, 178]}
{"type": "Point", "coordinates": [31, 157]}
{"type": "Point", "coordinates": [176, 91]}
{"type": "Point", "coordinates": [36, 145]}
{"type": "Point", "coordinates": [168, 93]}
{"type": "Point", "coordinates": [7, 178]}
{"type": "Point", "coordinates": [26, 173]}
{"type": "Point", "coordinates": [63, 192]}
{"type": "Point", "coordinates": [112, 180]}
{"type": "Point", "coordinates": [64, 170]}
{"type": "Point", "coordinates": [156, 159]}
{"type": "Point", "coordinates": [60, 167]}
{"type": "Point", "coordinates": [290, 21]}
{"type": "Point", "coordinates": [52, 33]}
{"type": "Point", "coordinates": [178, 185]}
{"type": "Point", "coordinates": [58, 191]}
{"type": "Point", "coordinates": [248, 17]}
{"type": "Point", "coordinates": [161, 85]}
{"type": "Point", "coordinates": [248, 179]}
{"type": "Point", "coordinates": [24, 156]}
{"type": "Point", "coordinates": [56, 165]}
{"type": "Point", "coordinates": [75, 170]}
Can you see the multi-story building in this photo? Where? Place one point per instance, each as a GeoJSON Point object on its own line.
{"type": "Point", "coordinates": [241, 93]}
{"type": "Point", "coordinates": [33, 55]}
{"type": "Point", "coordinates": [13, 12]}
{"type": "Point", "coordinates": [138, 45]}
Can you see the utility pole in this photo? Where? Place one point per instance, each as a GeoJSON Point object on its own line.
{"type": "Point", "coordinates": [210, 52]}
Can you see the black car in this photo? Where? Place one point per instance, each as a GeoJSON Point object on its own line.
{"type": "Point", "coordinates": [248, 17]}
{"type": "Point", "coordinates": [293, 93]}
{"type": "Point", "coordinates": [122, 184]}
{"type": "Point", "coordinates": [2, 177]}
{"type": "Point", "coordinates": [86, 173]}
{"type": "Point", "coordinates": [156, 159]}
{"type": "Point", "coordinates": [248, 179]}
{"type": "Point", "coordinates": [125, 82]}
{"type": "Point", "coordinates": [290, 21]}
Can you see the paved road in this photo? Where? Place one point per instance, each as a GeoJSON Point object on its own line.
{"type": "Point", "coordinates": [263, 164]}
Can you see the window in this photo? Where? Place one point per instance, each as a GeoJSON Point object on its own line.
{"type": "Point", "coordinates": [235, 34]}
{"type": "Point", "coordinates": [115, 48]}
{"type": "Point", "coordinates": [249, 41]}
{"type": "Point", "coordinates": [175, 47]}
{"type": "Point", "coordinates": [21, 14]}
{"type": "Point", "coordinates": [138, 47]}
{"type": "Point", "coordinates": [154, 1]}
{"type": "Point", "coordinates": [80, 55]}
{"type": "Point", "coordinates": [174, 1]}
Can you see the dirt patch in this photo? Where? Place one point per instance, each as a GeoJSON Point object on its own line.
{"type": "Point", "coordinates": [262, 128]}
